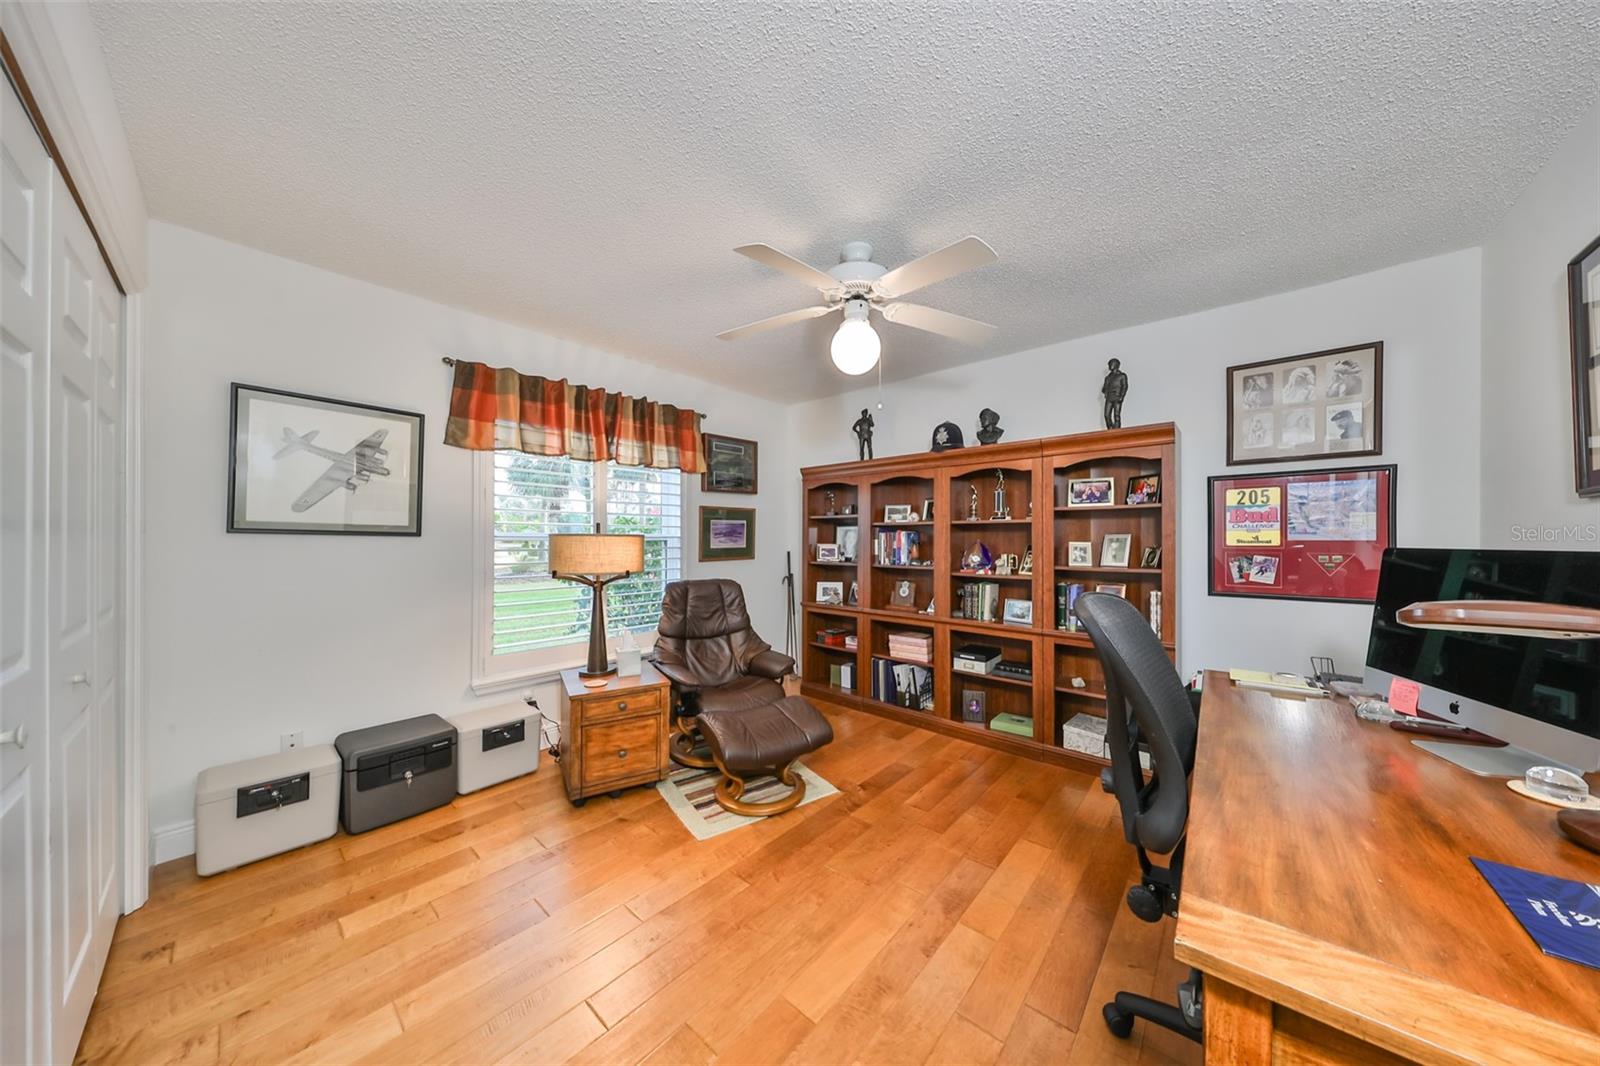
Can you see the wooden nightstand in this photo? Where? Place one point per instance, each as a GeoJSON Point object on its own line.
{"type": "Point", "coordinates": [615, 735]}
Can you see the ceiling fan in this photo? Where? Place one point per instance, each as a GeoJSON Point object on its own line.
{"type": "Point", "coordinates": [858, 286]}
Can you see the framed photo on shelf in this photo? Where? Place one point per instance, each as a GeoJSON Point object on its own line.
{"type": "Point", "coordinates": [831, 593]}
{"type": "Point", "coordinates": [1115, 548]}
{"type": "Point", "coordinates": [1080, 553]}
{"type": "Point", "coordinates": [728, 533]}
{"type": "Point", "coordinates": [1091, 492]}
{"type": "Point", "coordinates": [1321, 405]}
{"type": "Point", "coordinates": [1114, 589]}
{"type": "Point", "coordinates": [974, 702]}
{"type": "Point", "coordinates": [1150, 559]}
{"type": "Point", "coordinates": [1018, 613]}
{"type": "Point", "coordinates": [1305, 535]}
{"type": "Point", "coordinates": [903, 594]}
{"type": "Point", "coordinates": [828, 553]}
{"type": "Point", "coordinates": [311, 464]}
{"type": "Point", "coordinates": [1145, 488]}
{"type": "Point", "coordinates": [899, 512]}
{"type": "Point", "coordinates": [1583, 303]}
{"type": "Point", "coordinates": [730, 464]}
{"type": "Point", "coordinates": [855, 594]}
{"type": "Point", "coordinates": [927, 510]}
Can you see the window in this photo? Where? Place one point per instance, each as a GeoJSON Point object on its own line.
{"type": "Point", "coordinates": [530, 622]}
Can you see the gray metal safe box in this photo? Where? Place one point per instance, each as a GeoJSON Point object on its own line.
{"type": "Point", "coordinates": [396, 770]}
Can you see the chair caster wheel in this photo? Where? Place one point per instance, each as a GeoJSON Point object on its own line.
{"type": "Point", "coordinates": [1119, 1021]}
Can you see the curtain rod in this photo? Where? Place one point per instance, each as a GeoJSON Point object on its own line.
{"type": "Point", "coordinates": [447, 361]}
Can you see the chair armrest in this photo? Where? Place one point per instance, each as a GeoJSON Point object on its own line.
{"type": "Point", "coordinates": [773, 664]}
{"type": "Point", "coordinates": [678, 674]}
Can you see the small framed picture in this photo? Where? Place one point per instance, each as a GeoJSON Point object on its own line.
{"type": "Point", "coordinates": [849, 540]}
{"type": "Point", "coordinates": [1146, 488]}
{"type": "Point", "coordinates": [903, 594]}
{"type": "Point", "coordinates": [1150, 559]}
{"type": "Point", "coordinates": [927, 510]}
{"type": "Point", "coordinates": [1115, 548]}
{"type": "Point", "coordinates": [730, 464]}
{"type": "Point", "coordinates": [1091, 492]}
{"type": "Point", "coordinates": [831, 593]}
{"type": "Point", "coordinates": [312, 464]}
{"type": "Point", "coordinates": [855, 594]}
{"type": "Point", "coordinates": [1025, 568]}
{"type": "Point", "coordinates": [1080, 553]}
{"type": "Point", "coordinates": [1113, 589]}
{"type": "Point", "coordinates": [827, 553]}
{"type": "Point", "coordinates": [1583, 308]}
{"type": "Point", "coordinates": [728, 533]}
{"type": "Point", "coordinates": [974, 702]}
{"type": "Point", "coordinates": [1018, 613]}
{"type": "Point", "coordinates": [898, 512]}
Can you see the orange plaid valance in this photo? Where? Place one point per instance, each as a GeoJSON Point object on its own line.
{"type": "Point", "coordinates": [492, 408]}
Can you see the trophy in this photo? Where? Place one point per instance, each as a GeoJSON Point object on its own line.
{"type": "Point", "coordinates": [972, 503]}
{"type": "Point", "coordinates": [1000, 509]}
{"type": "Point", "coordinates": [830, 501]}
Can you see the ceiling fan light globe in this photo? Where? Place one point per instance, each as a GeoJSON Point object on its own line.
{"type": "Point", "coordinates": [855, 347]}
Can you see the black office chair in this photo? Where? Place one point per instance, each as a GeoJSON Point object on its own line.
{"type": "Point", "coordinates": [1147, 710]}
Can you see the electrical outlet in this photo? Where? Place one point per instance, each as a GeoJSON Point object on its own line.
{"type": "Point", "coordinates": [291, 740]}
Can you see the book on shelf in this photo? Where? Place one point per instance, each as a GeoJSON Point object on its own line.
{"type": "Point", "coordinates": [903, 684]}
{"type": "Point", "coordinates": [1067, 593]}
{"type": "Point", "coordinates": [979, 601]}
{"type": "Point", "coordinates": [1019, 725]}
{"type": "Point", "coordinates": [917, 646]}
{"type": "Point", "coordinates": [897, 547]}
{"type": "Point", "coordinates": [842, 675]}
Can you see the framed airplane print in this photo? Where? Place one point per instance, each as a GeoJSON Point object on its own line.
{"type": "Point", "coordinates": [1305, 535]}
{"type": "Point", "coordinates": [1321, 405]}
{"type": "Point", "coordinates": [1583, 301]}
{"type": "Point", "coordinates": [311, 464]}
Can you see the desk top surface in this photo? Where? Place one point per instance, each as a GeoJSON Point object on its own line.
{"type": "Point", "coordinates": [1328, 869]}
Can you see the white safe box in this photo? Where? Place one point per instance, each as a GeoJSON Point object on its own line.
{"type": "Point", "coordinates": [244, 811]}
{"type": "Point", "coordinates": [495, 744]}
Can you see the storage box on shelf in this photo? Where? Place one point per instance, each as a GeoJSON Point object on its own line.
{"type": "Point", "coordinates": [899, 575]}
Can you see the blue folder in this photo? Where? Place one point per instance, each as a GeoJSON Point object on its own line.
{"type": "Point", "coordinates": [1562, 916]}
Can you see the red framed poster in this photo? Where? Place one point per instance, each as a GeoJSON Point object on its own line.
{"type": "Point", "coordinates": [1304, 535]}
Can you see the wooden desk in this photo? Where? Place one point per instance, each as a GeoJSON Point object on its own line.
{"type": "Point", "coordinates": [1329, 899]}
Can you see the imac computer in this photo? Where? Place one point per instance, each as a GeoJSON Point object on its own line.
{"type": "Point", "coordinates": [1505, 642]}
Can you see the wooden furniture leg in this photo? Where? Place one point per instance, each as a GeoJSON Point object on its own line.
{"type": "Point", "coordinates": [681, 745]}
{"type": "Point", "coordinates": [1238, 1025]}
{"type": "Point", "coordinates": [732, 786]}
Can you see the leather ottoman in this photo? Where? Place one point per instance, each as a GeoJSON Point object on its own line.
{"type": "Point", "coordinates": [762, 740]}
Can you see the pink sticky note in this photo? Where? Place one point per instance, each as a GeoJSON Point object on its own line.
{"type": "Point", "coordinates": [1403, 695]}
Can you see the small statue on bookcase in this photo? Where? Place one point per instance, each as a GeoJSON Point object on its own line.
{"type": "Point", "coordinates": [989, 431]}
{"type": "Point", "coordinates": [1115, 390]}
{"type": "Point", "coordinates": [972, 502]}
{"type": "Point", "coordinates": [863, 431]}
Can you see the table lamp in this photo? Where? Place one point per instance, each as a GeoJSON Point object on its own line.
{"type": "Point", "coordinates": [596, 560]}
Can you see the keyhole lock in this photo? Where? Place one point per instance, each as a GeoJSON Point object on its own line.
{"type": "Point", "coordinates": [408, 778]}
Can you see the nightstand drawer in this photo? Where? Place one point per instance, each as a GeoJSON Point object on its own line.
{"type": "Point", "coordinates": [627, 748]}
{"type": "Point", "coordinates": [634, 703]}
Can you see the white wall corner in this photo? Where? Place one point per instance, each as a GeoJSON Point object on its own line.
{"type": "Point", "coordinates": [171, 842]}
{"type": "Point", "coordinates": [135, 754]}
{"type": "Point", "coordinates": [59, 53]}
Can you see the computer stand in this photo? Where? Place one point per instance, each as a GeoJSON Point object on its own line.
{"type": "Point", "coordinates": [1485, 761]}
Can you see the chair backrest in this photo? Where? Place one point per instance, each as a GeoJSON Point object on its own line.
{"type": "Point", "coordinates": [1145, 701]}
{"type": "Point", "coordinates": [706, 628]}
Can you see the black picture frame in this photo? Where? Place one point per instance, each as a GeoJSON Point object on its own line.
{"type": "Point", "coordinates": [1585, 324]}
{"type": "Point", "coordinates": [732, 465]}
{"type": "Point", "coordinates": [1322, 405]}
{"type": "Point", "coordinates": [238, 460]}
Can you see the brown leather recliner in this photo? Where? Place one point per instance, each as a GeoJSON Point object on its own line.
{"type": "Point", "coordinates": [707, 648]}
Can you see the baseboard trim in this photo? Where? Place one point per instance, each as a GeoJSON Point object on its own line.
{"type": "Point", "coordinates": [171, 842]}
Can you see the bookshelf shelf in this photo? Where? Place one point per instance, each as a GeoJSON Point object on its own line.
{"type": "Point", "coordinates": [1032, 480]}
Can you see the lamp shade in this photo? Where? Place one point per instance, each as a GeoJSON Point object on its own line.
{"type": "Point", "coordinates": [596, 554]}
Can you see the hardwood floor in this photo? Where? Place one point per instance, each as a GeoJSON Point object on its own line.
{"type": "Point", "coordinates": [953, 904]}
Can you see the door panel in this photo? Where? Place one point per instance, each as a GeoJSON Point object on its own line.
{"type": "Point", "coordinates": [25, 219]}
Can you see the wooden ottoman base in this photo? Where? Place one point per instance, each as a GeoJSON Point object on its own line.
{"type": "Point", "coordinates": [732, 786]}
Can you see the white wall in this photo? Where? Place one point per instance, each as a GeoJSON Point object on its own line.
{"type": "Point", "coordinates": [1426, 313]}
{"type": "Point", "coordinates": [1528, 488]}
{"type": "Point", "coordinates": [251, 636]}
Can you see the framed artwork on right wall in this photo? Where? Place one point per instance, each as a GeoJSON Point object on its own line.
{"type": "Point", "coordinates": [1583, 302]}
{"type": "Point", "coordinates": [1321, 405]}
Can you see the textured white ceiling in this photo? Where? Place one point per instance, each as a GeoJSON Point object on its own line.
{"type": "Point", "coordinates": [586, 168]}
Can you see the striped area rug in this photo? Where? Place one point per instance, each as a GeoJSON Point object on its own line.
{"type": "Point", "coordinates": [691, 793]}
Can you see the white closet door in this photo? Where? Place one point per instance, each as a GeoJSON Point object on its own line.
{"type": "Point", "coordinates": [85, 313]}
{"type": "Point", "coordinates": [24, 688]}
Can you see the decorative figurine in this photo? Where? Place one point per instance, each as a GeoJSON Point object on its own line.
{"type": "Point", "coordinates": [989, 431]}
{"type": "Point", "coordinates": [1115, 389]}
{"type": "Point", "coordinates": [831, 498]}
{"type": "Point", "coordinates": [972, 503]}
{"type": "Point", "coordinates": [1001, 511]}
{"type": "Point", "coordinates": [977, 559]}
{"type": "Point", "coordinates": [947, 435]}
{"type": "Point", "coordinates": [863, 432]}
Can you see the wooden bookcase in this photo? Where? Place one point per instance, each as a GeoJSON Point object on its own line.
{"type": "Point", "coordinates": [893, 595]}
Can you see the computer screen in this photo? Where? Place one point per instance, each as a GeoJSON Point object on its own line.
{"type": "Point", "coordinates": [1553, 681]}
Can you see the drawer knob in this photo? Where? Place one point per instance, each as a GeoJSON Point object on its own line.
{"type": "Point", "coordinates": [622, 753]}
{"type": "Point", "coordinates": [622, 705]}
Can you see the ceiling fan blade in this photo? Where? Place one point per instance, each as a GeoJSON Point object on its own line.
{"type": "Point", "coordinates": [767, 255]}
{"type": "Point", "coordinates": [774, 322]}
{"type": "Point", "coordinates": [968, 253]}
{"type": "Point", "coordinates": [969, 330]}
